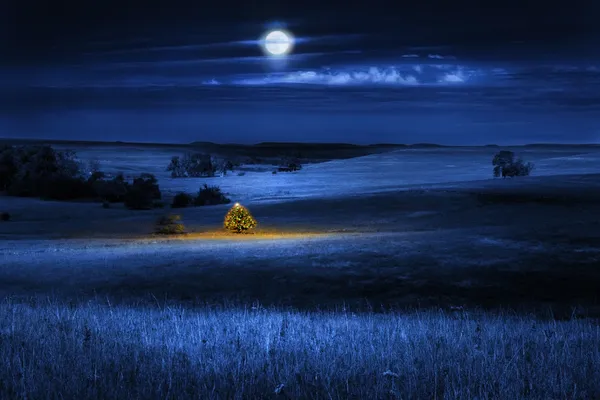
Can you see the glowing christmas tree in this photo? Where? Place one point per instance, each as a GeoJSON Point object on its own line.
{"type": "Point", "coordinates": [239, 219]}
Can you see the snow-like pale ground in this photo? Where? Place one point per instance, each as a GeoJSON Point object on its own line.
{"type": "Point", "coordinates": [414, 211]}
{"type": "Point", "coordinates": [369, 174]}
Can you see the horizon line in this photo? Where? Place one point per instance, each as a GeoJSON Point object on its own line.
{"type": "Point", "coordinates": [264, 143]}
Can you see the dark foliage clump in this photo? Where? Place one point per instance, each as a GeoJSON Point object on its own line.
{"type": "Point", "coordinates": [225, 165]}
{"type": "Point", "coordinates": [192, 165]}
{"type": "Point", "coordinates": [142, 193]}
{"type": "Point", "coordinates": [65, 188]}
{"type": "Point", "coordinates": [41, 171]}
{"type": "Point", "coordinates": [518, 168]}
{"type": "Point", "coordinates": [8, 166]}
{"type": "Point", "coordinates": [195, 165]}
{"type": "Point", "coordinates": [170, 225]}
{"type": "Point", "coordinates": [4, 216]}
{"type": "Point", "coordinates": [506, 164]}
{"type": "Point", "coordinates": [289, 164]}
{"type": "Point", "coordinates": [109, 190]}
{"type": "Point", "coordinates": [176, 168]}
{"type": "Point", "coordinates": [210, 195]}
{"type": "Point", "coordinates": [182, 200]}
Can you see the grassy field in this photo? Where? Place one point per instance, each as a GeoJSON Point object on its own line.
{"type": "Point", "coordinates": [412, 269]}
{"type": "Point", "coordinates": [51, 350]}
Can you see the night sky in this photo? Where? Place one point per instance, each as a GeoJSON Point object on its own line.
{"type": "Point", "coordinates": [450, 72]}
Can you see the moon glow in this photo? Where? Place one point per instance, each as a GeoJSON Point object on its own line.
{"type": "Point", "coordinates": [278, 43]}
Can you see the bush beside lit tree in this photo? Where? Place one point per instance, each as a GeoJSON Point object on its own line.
{"type": "Point", "coordinates": [170, 225]}
{"type": "Point", "coordinates": [239, 219]}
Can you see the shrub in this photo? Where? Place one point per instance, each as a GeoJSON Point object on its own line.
{"type": "Point", "coordinates": [170, 225]}
{"type": "Point", "coordinates": [199, 165]}
{"type": "Point", "coordinates": [223, 165]}
{"type": "Point", "coordinates": [182, 200]}
{"type": "Point", "coordinates": [65, 188]}
{"type": "Point", "coordinates": [289, 164]}
{"type": "Point", "coordinates": [142, 193]}
{"type": "Point", "coordinates": [210, 195]}
{"type": "Point", "coordinates": [8, 166]}
{"type": "Point", "coordinates": [518, 168]}
{"type": "Point", "coordinates": [501, 160]}
{"type": "Point", "coordinates": [192, 165]}
{"type": "Point", "coordinates": [112, 191]}
{"type": "Point", "coordinates": [239, 219]}
{"type": "Point", "coordinates": [4, 216]}
{"type": "Point", "coordinates": [149, 182]}
{"type": "Point", "coordinates": [176, 168]}
{"type": "Point", "coordinates": [105, 204]}
{"type": "Point", "coordinates": [506, 164]}
{"type": "Point", "coordinates": [43, 172]}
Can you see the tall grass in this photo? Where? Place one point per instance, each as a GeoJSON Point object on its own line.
{"type": "Point", "coordinates": [51, 350]}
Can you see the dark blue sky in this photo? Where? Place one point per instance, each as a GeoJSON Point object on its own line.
{"type": "Point", "coordinates": [431, 71]}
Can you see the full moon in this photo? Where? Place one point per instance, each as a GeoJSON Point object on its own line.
{"type": "Point", "coordinates": [278, 43]}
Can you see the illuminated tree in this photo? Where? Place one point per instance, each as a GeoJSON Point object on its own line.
{"type": "Point", "coordinates": [239, 219]}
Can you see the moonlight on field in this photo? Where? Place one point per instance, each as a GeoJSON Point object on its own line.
{"type": "Point", "coordinates": [278, 43]}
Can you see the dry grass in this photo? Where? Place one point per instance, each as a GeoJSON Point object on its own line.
{"type": "Point", "coordinates": [51, 350]}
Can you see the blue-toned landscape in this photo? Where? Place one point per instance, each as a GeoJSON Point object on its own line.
{"type": "Point", "coordinates": [310, 200]}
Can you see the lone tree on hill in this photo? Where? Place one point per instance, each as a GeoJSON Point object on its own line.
{"type": "Point", "coordinates": [506, 164]}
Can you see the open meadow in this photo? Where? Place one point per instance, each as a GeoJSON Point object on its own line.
{"type": "Point", "coordinates": [405, 273]}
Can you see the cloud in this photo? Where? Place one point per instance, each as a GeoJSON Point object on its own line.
{"type": "Point", "coordinates": [537, 79]}
{"type": "Point", "coordinates": [400, 75]}
{"type": "Point", "coordinates": [385, 76]}
{"type": "Point", "coordinates": [453, 77]}
{"type": "Point", "coordinates": [211, 82]}
{"type": "Point", "coordinates": [440, 57]}
{"type": "Point", "coordinates": [325, 39]}
{"type": "Point", "coordinates": [199, 61]}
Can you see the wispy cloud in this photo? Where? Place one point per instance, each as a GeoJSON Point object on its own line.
{"type": "Point", "coordinates": [220, 60]}
{"type": "Point", "coordinates": [325, 39]}
{"type": "Point", "coordinates": [151, 49]}
{"type": "Point", "coordinates": [440, 57]}
{"type": "Point", "coordinates": [200, 61]}
{"type": "Point", "coordinates": [387, 76]}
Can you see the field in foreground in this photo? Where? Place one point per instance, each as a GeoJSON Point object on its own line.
{"type": "Point", "coordinates": [51, 350]}
{"type": "Point", "coordinates": [138, 316]}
